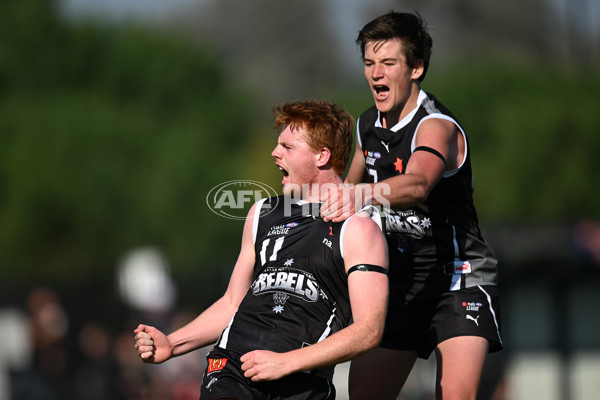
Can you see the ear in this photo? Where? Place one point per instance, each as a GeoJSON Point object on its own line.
{"type": "Point", "coordinates": [322, 157]}
{"type": "Point", "coordinates": [417, 71]}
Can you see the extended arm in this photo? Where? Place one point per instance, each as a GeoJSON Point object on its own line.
{"type": "Point", "coordinates": [363, 244]}
{"type": "Point", "coordinates": [423, 171]}
{"type": "Point", "coordinates": [153, 346]}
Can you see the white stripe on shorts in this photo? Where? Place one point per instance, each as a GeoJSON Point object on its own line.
{"type": "Point", "coordinates": [489, 299]}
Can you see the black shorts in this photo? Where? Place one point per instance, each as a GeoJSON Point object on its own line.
{"type": "Point", "coordinates": [224, 378]}
{"type": "Point", "coordinates": [419, 321]}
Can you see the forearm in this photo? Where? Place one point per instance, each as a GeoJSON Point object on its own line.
{"type": "Point", "coordinates": [349, 343]}
{"type": "Point", "coordinates": [398, 192]}
{"type": "Point", "coordinates": [204, 330]}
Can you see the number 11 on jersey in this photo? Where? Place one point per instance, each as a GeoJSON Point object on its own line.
{"type": "Point", "coordinates": [276, 248]}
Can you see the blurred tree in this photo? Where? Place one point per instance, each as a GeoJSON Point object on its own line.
{"type": "Point", "coordinates": [110, 139]}
{"type": "Point", "coordinates": [284, 50]}
{"type": "Point", "coordinates": [534, 138]}
{"type": "Point", "coordinates": [559, 32]}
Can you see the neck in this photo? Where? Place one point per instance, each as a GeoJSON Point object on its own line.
{"type": "Point", "coordinates": [392, 117]}
{"type": "Point", "coordinates": [318, 191]}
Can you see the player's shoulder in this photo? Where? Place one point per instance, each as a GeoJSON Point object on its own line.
{"type": "Point", "coordinates": [271, 200]}
{"type": "Point", "coordinates": [257, 209]}
{"type": "Point", "coordinates": [268, 203]}
{"type": "Point", "coordinates": [438, 121]}
{"type": "Point", "coordinates": [363, 238]}
{"type": "Point", "coordinates": [364, 223]}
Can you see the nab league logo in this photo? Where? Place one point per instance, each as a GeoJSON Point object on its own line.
{"type": "Point", "coordinates": [371, 157]}
{"type": "Point", "coordinates": [472, 305]}
{"type": "Point", "coordinates": [281, 229]}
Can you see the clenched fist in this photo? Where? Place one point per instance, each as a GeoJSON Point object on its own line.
{"type": "Point", "coordinates": [152, 345]}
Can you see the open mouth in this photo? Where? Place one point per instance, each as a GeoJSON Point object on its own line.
{"type": "Point", "coordinates": [381, 89]}
{"type": "Point", "coordinates": [285, 173]}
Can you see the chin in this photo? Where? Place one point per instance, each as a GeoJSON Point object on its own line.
{"type": "Point", "coordinates": [382, 107]}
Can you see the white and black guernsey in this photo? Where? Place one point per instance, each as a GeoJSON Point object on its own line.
{"type": "Point", "coordinates": [299, 294]}
{"type": "Point", "coordinates": [436, 244]}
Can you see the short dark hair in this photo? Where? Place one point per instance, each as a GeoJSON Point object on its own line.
{"type": "Point", "coordinates": [409, 28]}
{"type": "Point", "coordinates": [326, 124]}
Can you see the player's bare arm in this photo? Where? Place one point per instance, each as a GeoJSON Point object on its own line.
{"type": "Point", "coordinates": [423, 171]}
{"type": "Point", "coordinates": [153, 346]}
{"type": "Point", "coordinates": [364, 244]}
{"type": "Point", "coordinates": [424, 168]}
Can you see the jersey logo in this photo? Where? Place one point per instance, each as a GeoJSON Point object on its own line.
{"type": "Point", "coordinates": [294, 282]}
{"type": "Point", "coordinates": [331, 231]}
{"type": "Point", "coordinates": [215, 364]}
{"type": "Point", "coordinates": [474, 319]}
{"type": "Point", "coordinates": [386, 145]}
{"type": "Point", "coordinates": [398, 165]}
{"type": "Point", "coordinates": [407, 223]}
{"type": "Point", "coordinates": [281, 229]}
{"type": "Point", "coordinates": [472, 305]}
{"type": "Point", "coordinates": [279, 298]}
{"type": "Point", "coordinates": [371, 157]}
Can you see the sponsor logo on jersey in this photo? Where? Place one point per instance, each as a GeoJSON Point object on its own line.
{"type": "Point", "coordinates": [472, 305]}
{"type": "Point", "coordinates": [371, 157]}
{"type": "Point", "coordinates": [407, 223]}
{"type": "Point", "coordinates": [215, 364]}
{"type": "Point", "coordinates": [462, 267]}
{"type": "Point", "coordinates": [289, 280]}
{"type": "Point", "coordinates": [281, 229]}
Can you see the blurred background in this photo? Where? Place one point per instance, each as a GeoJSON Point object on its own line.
{"type": "Point", "coordinates": [117, 117]}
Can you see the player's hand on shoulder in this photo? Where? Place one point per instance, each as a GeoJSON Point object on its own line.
{"type": "Point", "coordinates": [339, 204]}
{"type": "Point", "coordinates": [152, 345]}
{"type": "Point", "coordinates": [345, 201]}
